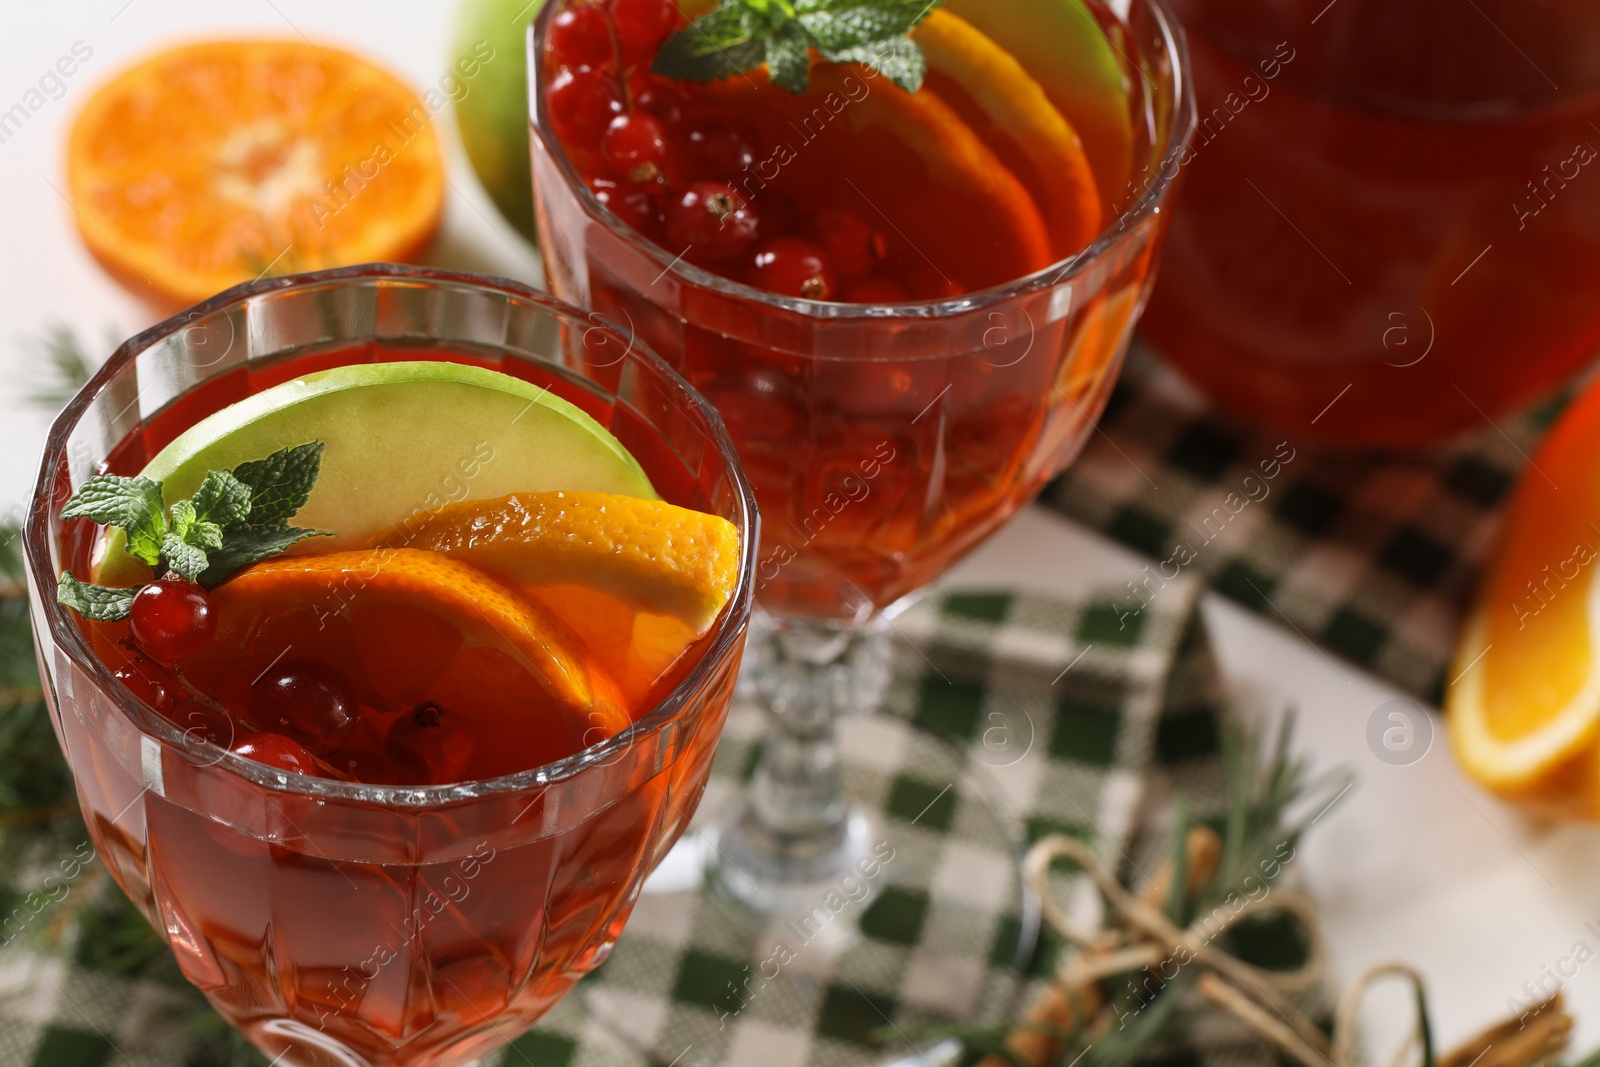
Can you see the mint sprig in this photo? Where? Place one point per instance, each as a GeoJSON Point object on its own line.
{"type": "Point", "coordinates": [235, 518]}
{"type": "Point", "coordinates": [740, 35]}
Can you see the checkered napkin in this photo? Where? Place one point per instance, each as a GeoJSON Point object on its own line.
{"type": "Point", "coordinates": [1373, 556]}
{"type": "Point", "coordinates": [1064, 717]}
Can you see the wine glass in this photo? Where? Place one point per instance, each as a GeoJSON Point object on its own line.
{"type": "Point", "coordinates": [342, 924]}
{"type": "Point", "coordinates": [885, 442]}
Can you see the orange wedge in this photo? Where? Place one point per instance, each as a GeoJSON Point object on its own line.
{"type": "Point", "coordinates": [213, 163]}
{"type": "Point", "coordinates": [1008, 108]}
{"type": "Point", "coordinates": [637, 580]}
{"type": "Point", "coordinates": [1523, 710]}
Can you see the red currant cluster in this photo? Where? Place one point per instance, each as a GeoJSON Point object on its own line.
{"type": "Point", "coordinates": [303, 715]}
{"type": "Point", "coordinates": [672, 171]}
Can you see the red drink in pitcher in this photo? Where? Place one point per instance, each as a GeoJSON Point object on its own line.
{"type": "Point", "coordinates": [1390, 215]}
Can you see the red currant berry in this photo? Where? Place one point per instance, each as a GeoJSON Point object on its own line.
{"type": "Point", "coordinates": [580, 36]}
{"type": "Point", "coordinates": [435, 737]}
{"type": "Point", "coordinates": [660, 98]}
{"type": "Point", "coordinates": [792, 267]}
{"type": "Point", "coordinates": [149, 681]}
{"type": "Point", "coordinates": [631, 204]}
{"type": "Point", "coordinates": [713, 219]}
{"type": "Point", "coordinates": [875, 289]}
{"type": "Point", "coordinates": [854, 247]}
{"type": "Point", "coordinates": [642, 25]}
{"type": "Point", "coordinates": [717, 152]}
{"type": "Point", "coordinates": [308, 701]}
{"type": "Point", "coordinates": [582, 104]}
{"type": "Point", "coordinates": [635, 147]}
{"type": "Point", "coordinates": [202, 722]}
{"type": "Point", "coordinates": [279, 752]}
{"type": "Point", "coordinates": [171, 620]}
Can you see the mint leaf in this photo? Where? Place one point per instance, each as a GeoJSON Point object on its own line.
{"type": "Point", "coordinates": [281, 484]}
{"type": "Point", "coordinates": [182, 517]}
{"type": "Point", "coordinates": [233, 519]}
{"type": "Point", "coordinates": [244, 545]}
{"type": "Point", "coordinates": [839, 24]}
{"type": "Point", "coordinates": [133, 505]}
{"type": "Point", "coordinates": [789, 57]}
{"type": "Point", "coordinates": [206, 535]}
{"type": "Point", "coordinates": [719, 44]}
{"type": "Point", "coordinates": [96, 602]}
{"type": "Point", "coordinates": [222, 499]}
{"type": "Point", "coordinates": [190, 529]}
{"type": "Point", "coordinates": [900, 59]}
{"type": "Point", "coordinates": [740, 35]}
{"type": "Point", "coordinates": [186, 559]}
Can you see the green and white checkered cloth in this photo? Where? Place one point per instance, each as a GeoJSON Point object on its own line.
{"type": "Point", "coordinates": [1085, 718]}
{"type": "Point", "coordinates": [1373, 555]}
{"type": "Point", "coordinates": [1065, 717]}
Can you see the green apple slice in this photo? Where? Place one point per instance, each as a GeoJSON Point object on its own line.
{"type": "Point", "coordinates": [401, 438]}
{"type": "Point", "coordinates": [1062, 45]}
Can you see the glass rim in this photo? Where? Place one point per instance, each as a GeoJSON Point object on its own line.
{"type": "Point", "coordinates": [65, 632]}
{"type": "Point", "coordinates": [1118, 231]}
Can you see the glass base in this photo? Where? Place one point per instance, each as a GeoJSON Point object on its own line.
{"type": "Point", "coordinates": [927, 927]}
{"type": "Point", "coordinates": [770, 875]}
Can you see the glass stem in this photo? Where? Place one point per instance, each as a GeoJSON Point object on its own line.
{"type": "Point", "coordinates": [795, 835]}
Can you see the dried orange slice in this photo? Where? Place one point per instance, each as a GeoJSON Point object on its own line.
{"type": "Point", "coordinates": [1008, 108]}
{"type": "Point", "coordinates": [212, 163]}
{"type": "Point", "coordinates": [1524, 708]}
{"type": "Point", "coordinates": [637, 580]}
{"type": "Point", "coordinates": [412, 626]}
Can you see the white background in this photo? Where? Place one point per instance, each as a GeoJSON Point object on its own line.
{"type": "Point", "coordinates": [1417, 864]}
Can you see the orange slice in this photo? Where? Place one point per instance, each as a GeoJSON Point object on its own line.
{"type": "Point", "coordinates": [212, 163]}
{"type": "Point", "coordinates": [1079, 64]}
{"type": "Point", "coordinates": [1524, 709]}
{"type": "Point", "coordinates": [637, 580]}
{"type": "Point", "coordinates": [904, 161]}
{"type": "Point", "coordinates": [406, 627]}
{"type": "Point", "coordinates": [1008, 108]}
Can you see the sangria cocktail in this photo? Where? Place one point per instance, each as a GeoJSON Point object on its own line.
{"type": "Point", "coordinates": [909, 297]}
{"type": "Point", "coordinates": [390, 618]}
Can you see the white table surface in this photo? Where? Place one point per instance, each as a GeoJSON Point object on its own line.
{"type": "Point", "coordinates": [1417, 863]}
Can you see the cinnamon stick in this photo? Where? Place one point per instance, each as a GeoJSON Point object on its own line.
{"type": "Point", "coordinates": [1537, 1036]}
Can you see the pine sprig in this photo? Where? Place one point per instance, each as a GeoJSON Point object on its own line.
{"type": "Point", "coordinates": [235, 518]}
{"type": "Point", "coordinates": [1272, 800]}
{"type": "Point", "coordinates": [740, 35]}
{"type": "Point", "coordinates": [65, 364]}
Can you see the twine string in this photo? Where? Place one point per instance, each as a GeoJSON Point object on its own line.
{"type": "Point", "coordinates": [1140, 937]}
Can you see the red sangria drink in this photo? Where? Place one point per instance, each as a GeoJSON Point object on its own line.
{"type": "Point", "coordinates": [902, 254]}
{"type": "Point", "coordinates": [1388, 231]}
{"type": "Point", "coordinates": [390, 618]}
{"type": "Point", "coordinates": [909, 306]}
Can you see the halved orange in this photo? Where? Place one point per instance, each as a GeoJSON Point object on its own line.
{"type": "Point", "coordinates": [212, 163]}
{"type": "Point", "coordinates": [637, 580]}
{"type": "Point", "coordinates": [1001, 102]}
{"type": "Point", "coordinates": [1523, 708]}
